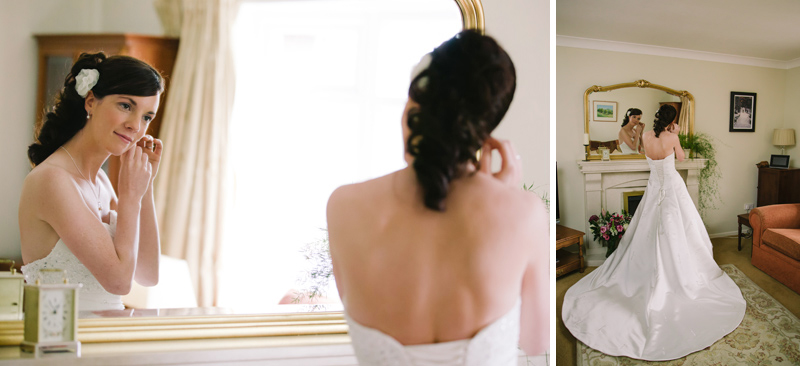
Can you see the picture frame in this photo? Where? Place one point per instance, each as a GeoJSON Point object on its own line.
{"type": "Point", "coordinates": [604, 111]}
{"type": "Point", "coordinates": [743, 112]}
{"type": "Point", "coordinates": [779, 161]}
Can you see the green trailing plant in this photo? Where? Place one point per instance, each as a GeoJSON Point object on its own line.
{"type": "Point", "coordinates": [701, 146]}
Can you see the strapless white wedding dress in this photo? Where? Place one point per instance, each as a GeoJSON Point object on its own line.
{"type": "Point", "coordinates": [495, 344]}
{"type": "Point", "coordinates": [92, 296]}
{"type": "Point", "coordinates": [660, 295]}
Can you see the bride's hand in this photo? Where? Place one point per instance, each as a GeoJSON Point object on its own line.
{"type": "Point", "coordinates": [134, 174]}
{"type": "Point", "coordinates": [511, 169]}
{"type": "Point", "coordinates": [152, 147]}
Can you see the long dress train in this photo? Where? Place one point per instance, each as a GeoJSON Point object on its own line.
{"type": "Point", "coordinates": [660, 295]}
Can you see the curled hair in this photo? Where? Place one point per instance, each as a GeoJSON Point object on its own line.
{"type": "Point", "coordinates": [466, 91]}
{"type": "Point", "coordinates": [664, 116]}
{"type": "Point", "coordinates": [118, 75]}
{"type": "Point", "coordinates": [629, 113]}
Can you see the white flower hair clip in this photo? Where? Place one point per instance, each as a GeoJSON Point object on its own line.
{"type": "Point", "coordinates": [85, 81]}
{"type": "Point", "coordinates": [423, 65]}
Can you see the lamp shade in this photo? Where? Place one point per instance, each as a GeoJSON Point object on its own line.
{"type": "Point", "coordinates": [783, 137]}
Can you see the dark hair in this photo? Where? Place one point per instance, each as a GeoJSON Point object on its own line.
{"type": "Point", "coordinates": [629, 113]}
{"type": "Point", "coordinates": [665, 115]}
{"type": "Point", "coordinates": [118, 75]}
{"type": "Point", "coordinates": [465, 92]}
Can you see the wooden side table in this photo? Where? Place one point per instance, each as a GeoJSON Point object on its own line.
{"type": "Point", "coordinates": [566, 260]}
{"type": "Point", "coordinates": [744, 219]}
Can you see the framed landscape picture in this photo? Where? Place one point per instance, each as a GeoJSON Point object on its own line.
{"type": "Point", "coordinates": [743, 112]}
{"type": "Point", "coordinates": [604, 111]}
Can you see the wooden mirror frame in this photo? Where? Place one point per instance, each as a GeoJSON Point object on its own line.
{"type": "Point", "coordinates": [319, 328]}
{"type": "Point", "coordinates": [638, 84]}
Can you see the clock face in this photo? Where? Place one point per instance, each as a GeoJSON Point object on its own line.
{"type": "Point", "coordinates": [56, 315]}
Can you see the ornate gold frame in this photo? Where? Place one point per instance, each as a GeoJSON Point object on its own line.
{"type": "Point", "coordinates": [638, 84]}
{"type": "Point", "coordinates": [105, 330]}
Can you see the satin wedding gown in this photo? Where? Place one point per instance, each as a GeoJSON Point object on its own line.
{"type": "Point", "coordinates": [92, 296]}
{"type": "Point", "coordinates": [660, 295]}
{"type": "Point", "coordinates": [495, 344]}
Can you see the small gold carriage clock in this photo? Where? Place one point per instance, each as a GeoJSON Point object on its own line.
{"type": "Point", "coordinates": [51, 317]}
{"type": "Point", "coordinates": [11, 286]}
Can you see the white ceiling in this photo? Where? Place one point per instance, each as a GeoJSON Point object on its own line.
{"type": "Point", "coordinates": [766, 29]}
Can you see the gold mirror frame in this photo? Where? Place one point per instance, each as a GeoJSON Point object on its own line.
{"type": "Point", "coordinates": [320, 328]}
{"type": "Point", "coordinates": [638, 84]}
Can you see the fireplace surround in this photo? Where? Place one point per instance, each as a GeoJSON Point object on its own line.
{"type": "Point", "coordinates": [607, 182]}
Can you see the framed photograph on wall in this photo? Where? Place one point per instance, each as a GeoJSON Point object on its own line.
{"type": "Point", "coordinates": [743, 112]}
{"type": "Point", "coordinates": [604, 111]}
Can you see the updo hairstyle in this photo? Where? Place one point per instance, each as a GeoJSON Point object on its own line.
{"type": "Point", "coordinates": [462, 95]}
{"type": "Point", "coordinates": [629, 113]}
{"type": "Point", "coordinates": [118, 75]}
{"type": "Point", "coordinates": [665, 115]}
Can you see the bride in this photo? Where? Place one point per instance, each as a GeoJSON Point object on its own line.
{"type": "Point", "coordinates": [630, 133]}
{"type": "Point", "coordinates": [70, 218]}
{"type": "Point", "coordinates": [660, 295]}
{"type": "Point", "coordinates": [444, 262]}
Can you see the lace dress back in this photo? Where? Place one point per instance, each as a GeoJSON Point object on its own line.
{"type": "Point", "coordinates": [495, 344]}
{"type": "Point", "coordinates": [92, 296]}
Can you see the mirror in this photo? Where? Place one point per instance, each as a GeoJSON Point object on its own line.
{"type": "Point", "coordinates": [605, 109]}
{"type": "Point", "coordinates": [204, 323]}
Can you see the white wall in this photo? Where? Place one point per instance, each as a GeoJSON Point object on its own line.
{"type": "Point", "coordinates": [522, 27]}
{"type": "Point", "coordinates": [20, 20]}
{"type": "Point", "coordinates": [792, 114]}
{"type": "Point", "coordinates": [711, 84]}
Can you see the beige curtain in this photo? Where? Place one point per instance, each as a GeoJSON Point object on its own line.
{"type": "Point", "coordinates": [683, 117]}
{"type": "Point", "coordinates": [190, 189]}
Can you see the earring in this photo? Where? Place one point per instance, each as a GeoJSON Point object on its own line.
{"type": "Point", "coordinates": [88, 116]}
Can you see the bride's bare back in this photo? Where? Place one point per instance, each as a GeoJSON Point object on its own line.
{"type": "Point", "coordinates": [657, 148]}
{"type": "Point", "coordinates": [423, 276]}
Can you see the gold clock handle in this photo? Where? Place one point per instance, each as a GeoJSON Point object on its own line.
{"type": "Point", "coordinates": [51, 271]}
{"type": "Point", "coordinates": [11, 269]}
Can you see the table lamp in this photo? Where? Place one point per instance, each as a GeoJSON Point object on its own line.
{"type": "Point", "coordinates": [783, 137]}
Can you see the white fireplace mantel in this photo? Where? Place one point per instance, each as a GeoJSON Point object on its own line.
{"type": "Point", "coordinates": [606, 181]}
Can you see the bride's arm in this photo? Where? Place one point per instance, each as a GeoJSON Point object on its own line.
{"type": "Point", "coordinates": [534, 336]}
{"type": "Point", "coordinates": [112, 262]}
{"type": "Point", "coordinates": [679, 154]}
{"type": "Point", "coordinates": [149, 242]}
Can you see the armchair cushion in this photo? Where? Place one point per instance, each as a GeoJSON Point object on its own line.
{"type": "Point", "coordinates": [785, 241]}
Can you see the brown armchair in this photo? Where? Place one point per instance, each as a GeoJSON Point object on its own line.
{"type": "Point", "coordinates": [776, 242]}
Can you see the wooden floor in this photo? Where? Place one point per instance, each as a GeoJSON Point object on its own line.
{"type": "Point", "coordinates": [724, 253]}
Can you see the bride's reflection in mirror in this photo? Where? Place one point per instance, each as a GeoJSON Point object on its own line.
{"type": "Point", "coordinates": [630, 134]}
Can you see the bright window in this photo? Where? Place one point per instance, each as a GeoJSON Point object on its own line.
{"type": "Point", "coordinates": [320, 91]}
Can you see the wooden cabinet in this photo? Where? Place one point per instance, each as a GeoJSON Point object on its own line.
{"type": "Point", "coordinates": [778, 186]}
{"type": "Point", "coordinates": [567, 261]}
{"type": "Point", "coordinates": [57, 53]}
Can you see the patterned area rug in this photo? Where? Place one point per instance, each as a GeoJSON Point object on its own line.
{"type": "Point", "coordinates": [769, 335]}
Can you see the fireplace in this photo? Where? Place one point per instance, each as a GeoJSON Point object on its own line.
{"type": "Point", "coordinates": [631, 201]}
{"type": "Point", "coordinates": [619, 184]}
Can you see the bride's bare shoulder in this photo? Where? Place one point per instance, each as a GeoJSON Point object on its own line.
{"type": "Point", "coordinates": [47, 175]}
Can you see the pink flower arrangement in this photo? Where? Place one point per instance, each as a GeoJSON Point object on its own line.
{"type": "Point", "coordinates": [608, 228]}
